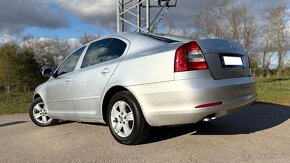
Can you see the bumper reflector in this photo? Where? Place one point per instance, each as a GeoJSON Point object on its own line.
{"type": "Point", "coordinates": [209, 105]}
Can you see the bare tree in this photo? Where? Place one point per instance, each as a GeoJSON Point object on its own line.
{"type": "Point", "coordinates": [275, 23]}
{"type": "Point", "coordinates": [248, 27]}
{"type": "Point", "coordinates": [170, 28]}
{"type": "Point", "coordinates": [59, 50]}
{"type": "Point", "coordinates": [267, 57]}
{"type": "Point", "coordinates": [48, 52]}
{"type": "Point", "coordinates": [266, 43]}
{"type": "Point", "coordinates": [26, 37]}
{"type": "Point", "coordinates": [226, 19]}
{"type": "Point", "coordinates": [218, 17]}
{"type": "Point", "coordinates": [212, 21]}
{"type": "Point", "coordinates": [235, 22]}
{"type": "Point", "coordinates": [85, 38]}
{"type": "Point", "coordinates": [200, 21]}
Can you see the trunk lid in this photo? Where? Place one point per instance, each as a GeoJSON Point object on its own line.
{"type": "Point", "coordinates": [225, 59]}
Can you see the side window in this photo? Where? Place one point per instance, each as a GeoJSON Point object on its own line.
{"type": "Point", "coordinates": [96, 52]}
{"type": "Point", "coordinates": [70, 63]}
{"type": "Point", "coordinates": [116, 49]}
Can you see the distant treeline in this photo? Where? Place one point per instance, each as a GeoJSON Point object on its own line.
{"type": "Point", "coordinates": [21, 62]}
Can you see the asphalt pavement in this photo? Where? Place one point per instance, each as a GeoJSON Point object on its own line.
{"type": "Point", "coordinates": [258, 133]}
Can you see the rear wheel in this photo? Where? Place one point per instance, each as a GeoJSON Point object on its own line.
{"type": "Point", "coordinates": [38, 114]}
{"type": "Point", "coordinates": [126, 121]}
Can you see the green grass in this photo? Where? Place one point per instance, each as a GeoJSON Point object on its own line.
{"type": "Point", "coordinates": [15, 102]}
{"type": "Point", "coordinates": [274, 90]}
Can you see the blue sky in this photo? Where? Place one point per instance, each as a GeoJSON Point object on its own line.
{"type": "Point", "coordinates": [76, 27]}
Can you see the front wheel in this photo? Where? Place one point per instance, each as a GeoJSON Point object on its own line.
{"type": "Point", "coordinates": [126, 121]}
{"type": "Point", "coordinates": [38, 114]}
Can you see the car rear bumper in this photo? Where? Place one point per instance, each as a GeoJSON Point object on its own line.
{"type": "Point", "coordinates": [174, 102]}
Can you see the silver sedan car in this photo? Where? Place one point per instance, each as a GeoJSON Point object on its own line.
{"type": "Point", "coordinates": [134, 81]}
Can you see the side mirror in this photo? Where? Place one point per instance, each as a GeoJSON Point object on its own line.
{"type": "Point", "coordinates": [47, 72]}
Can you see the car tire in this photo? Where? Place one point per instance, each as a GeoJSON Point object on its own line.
{"type": "Point", "coordinates": [125, 119]}
{"type": "Point", "coordinates": [38, 114]}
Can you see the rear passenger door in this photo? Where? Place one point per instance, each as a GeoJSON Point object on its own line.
{"type": "Point", "coordinates": [99, 63]}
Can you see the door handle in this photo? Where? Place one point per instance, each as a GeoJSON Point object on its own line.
{"type": "Point", "coordinates": [105, 71]}
{"type": "Point", "coordinates": [67, 80]}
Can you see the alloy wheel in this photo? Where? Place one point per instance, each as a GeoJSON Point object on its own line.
{"type": "Point", "coordinates": [122, 119]}
{"type": "Point", "coordinates": [40, 113]}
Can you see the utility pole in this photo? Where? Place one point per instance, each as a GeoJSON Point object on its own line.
{"type": "Point", "coordinates": [139, 16]}
{"type": "Point", "coordinates": [129, 14]}
{"type": "Point", "coordinates": [148, 16]}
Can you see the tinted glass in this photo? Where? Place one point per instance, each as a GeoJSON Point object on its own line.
{"type": "Point", "coordinates": [96, 52]}
{"type": "Point", "coordinates": [116, 49]}
{"type": "Point", "coordinates": [70, 63]}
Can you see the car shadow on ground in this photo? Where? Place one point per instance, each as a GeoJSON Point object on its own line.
{"type": "Point", "coordinates": [12, 123]}
{"type": "Point", "coordinates": [93, 123]}
{"type": "Point", "coordinates": [257, 117]}
{"type": "Point", "coordinates": [63, 122]}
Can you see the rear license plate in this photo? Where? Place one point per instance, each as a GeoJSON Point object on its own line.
{"type": "Point", "coordinates": [232, 61]}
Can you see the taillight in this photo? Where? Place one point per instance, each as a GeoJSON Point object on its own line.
{"type": "Point", "coordinates": [189, 57]}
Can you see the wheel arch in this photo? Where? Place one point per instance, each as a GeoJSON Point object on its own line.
{"type": "Point", "coordinates": [109, 94]}
{"type": "Point", "coordinates": [36, 95]}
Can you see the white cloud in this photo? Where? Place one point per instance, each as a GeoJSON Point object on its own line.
{"type": "Point", "coordinates": [5, 38]}
{"type": "Point", "coordinates": [98, 12]}
{"type": "Point", "coordinates": [16, 15]}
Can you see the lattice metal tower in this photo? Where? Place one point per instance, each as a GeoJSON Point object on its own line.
{"type": "Point", "coordinates": [130, 12]}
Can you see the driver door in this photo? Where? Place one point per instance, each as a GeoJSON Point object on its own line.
{"type": "Point", "coordinates": [58, 91]}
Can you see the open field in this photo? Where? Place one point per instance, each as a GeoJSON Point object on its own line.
{"type": "Point", "coordinates": [274, 90]}
{"type": "Point", "coordinates": [15, 102]}
{"type": "Point", "coordinates": [271, 90]}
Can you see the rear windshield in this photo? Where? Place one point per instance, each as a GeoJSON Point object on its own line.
{"type": "Point", "coordinates": [167, 40]}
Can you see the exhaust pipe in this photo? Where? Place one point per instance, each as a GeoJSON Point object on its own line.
{"type": "Point", "coordinates": [206, 119]}
{"type": "Point", "coordinates": [209, 118]}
